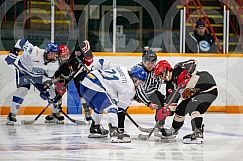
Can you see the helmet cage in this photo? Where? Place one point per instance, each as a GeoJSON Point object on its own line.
{"type": "Point", "coordinates": [149, 56]}
{"type": "Point", "coordinates": [50, 56]}
{"type": "Point", "coordinates": [165, 74]}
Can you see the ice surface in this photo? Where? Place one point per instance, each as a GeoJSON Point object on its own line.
{"type": "Point", "coordinates": [223, 141]}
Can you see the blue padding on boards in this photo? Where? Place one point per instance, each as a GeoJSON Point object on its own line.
{"type": "Point", "coordinates": [74, 105]}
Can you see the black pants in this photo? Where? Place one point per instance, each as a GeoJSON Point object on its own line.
{"type": "Point", "coordinates": [200, 103]}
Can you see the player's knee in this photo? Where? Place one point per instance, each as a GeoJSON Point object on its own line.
{"type": "Point", "coordinates": [195, 114]}
{"type": "Point", "coordinates": [179, 118]}
{"type": "Point", "coordinates": [180, 112]}
{"type": "Point", "coordinates": [17, 100]}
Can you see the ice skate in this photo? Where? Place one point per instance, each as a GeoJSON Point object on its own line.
{"type": "Point", "coordinates": [11, 119]}
{"type": "Point", "coordinates": [118, 136]}
{"type": "Point", "coordinates": [195, 138]}
{"type": "Point", "coordinates": [97, 131]}
{"type": "Point", "coordinates": [169, 133]}
{"type": "Point", "coordinates": [54, 118]}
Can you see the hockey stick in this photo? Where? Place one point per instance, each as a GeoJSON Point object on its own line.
{"type": "Point", "coordinates": [145, 137]}
{"type": "Point", "coordinates": [147, 130]}
{"type": "Point", "coordinates": [181, 85]}
{"type": "Point", "coordinates": [73, 120]}
{"type": "Point", "coordinates": [50, 102]}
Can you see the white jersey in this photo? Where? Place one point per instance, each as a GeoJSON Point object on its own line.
{"type": "Point", "coordinates": [32, 62]}
{"type": "Point", "coordinates": [116, 82]}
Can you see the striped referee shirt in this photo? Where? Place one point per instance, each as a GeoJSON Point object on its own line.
{"type": "Point", "coordinates": [149, 86]}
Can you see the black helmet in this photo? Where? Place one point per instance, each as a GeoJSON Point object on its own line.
{"type": "Point", "coordinates": [149, 55]}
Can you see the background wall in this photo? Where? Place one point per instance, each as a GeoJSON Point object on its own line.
{"type": "Point", "coordinates": [227, 71]}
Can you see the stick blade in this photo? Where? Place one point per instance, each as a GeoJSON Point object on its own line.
{"type": "Point", "coordinates": [26, 122]}
{"type": "Point", "coordinates": [147, 130]}
{"type": "Point", "coordinates": [80, 122]}
{"type": "Point", "coordinates": [143, 137]}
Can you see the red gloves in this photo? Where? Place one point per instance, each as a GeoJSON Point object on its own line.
{"type": "Point", "coordinates": [88, 61]}
{"type": "Point", "coordinates": [183, 78]}
{"type": "Point", "coordinates": [59, 87]}
{"type": "Point", "coordinates": [163, 113]}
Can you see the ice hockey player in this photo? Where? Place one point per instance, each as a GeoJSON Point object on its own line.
{"type": "Point", "coordinates": [36, 65]}
{"type": "Point", "coordinates": [198, 92]}
{"type": "Point", "coordinates": [148, 93]}
{"type": "Point", "coordinates": [70, 64]}
{"type": "Point", "coordinates": [107, 90]}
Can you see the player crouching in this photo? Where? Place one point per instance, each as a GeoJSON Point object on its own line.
{"type": "Point", "coordinates": [105, 91]}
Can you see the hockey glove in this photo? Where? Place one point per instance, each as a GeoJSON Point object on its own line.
{"type": "Point", "coordinates": [163, 113]}
{"type": "Point", "coordinates": [47, 84]}
{"type": "Point", "coordinates": [85, 46]}
{"type": "Point", "coordinates": [59, 88]}
{"type": "Point", "coordinates": [87, 61]}
{"type": "Point", "coordinates": [12, 56]}
{"type": "Point", "coordinates": [183, 78]}
{"type": "Point", "coordinates": [44, 95]}
{"type": "Point", "coordinates": [20, 44]}
{"type": "Point", "coordinates": [189, 92]}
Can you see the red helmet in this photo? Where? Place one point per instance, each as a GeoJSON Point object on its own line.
{"type": "Point", "coordinates": [63, 53]}
{"type": "Point", "coordinates": [162, 68]}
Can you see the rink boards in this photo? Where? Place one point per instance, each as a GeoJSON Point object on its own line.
{"type": "Point", "coordinates": [226, 69]}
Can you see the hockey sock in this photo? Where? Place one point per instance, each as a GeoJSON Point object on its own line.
{"type": "Point", "coordinates": [196, 123]}
{"type": "Point", "coordinates": [121, 119]}
{"type": "Point", "coordinates": [18, 99]}
{"type": "Point", "coordinates": [96, 118]}
{"type": "Point", "coordinates": [196, 120]}
{"type": "Point", "coordinates": [177, 125]}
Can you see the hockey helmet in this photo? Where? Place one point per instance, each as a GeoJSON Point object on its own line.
{"type": "Point", "coordinates": [51, 52]}
{"type": "Point", "coordinates": [139, 73]}
{"type": "Point", "coordinates": [149, 55]}
{"type": "Point", "coordinates": [163, 68]}
{"type": "Point", "coordinates": [63, 53]}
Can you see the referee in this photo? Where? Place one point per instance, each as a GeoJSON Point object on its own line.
{"type": "Point", "coordinates": [148, 93]}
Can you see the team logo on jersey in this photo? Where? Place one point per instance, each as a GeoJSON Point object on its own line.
{"type": "Point", "coordinates": [204, 45]}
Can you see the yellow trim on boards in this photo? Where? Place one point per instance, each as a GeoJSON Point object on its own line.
{"type": "Point", "coordinates": [169, 54]}
{"type": "Point", "coordinates": [28, 110]}
{"type": "Point", "coordinates": [159, 54]}
{"type": "Point", "coordinates": [131, 110]}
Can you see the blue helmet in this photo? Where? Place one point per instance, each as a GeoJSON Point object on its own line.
{"type": "Point", "coordinates": [139, 73]}
{"type": "Point", "coordinates": [52, 47]}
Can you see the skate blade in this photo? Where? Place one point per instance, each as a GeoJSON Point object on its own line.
{"type": "Point", "coordinates": [196, 141]}
{"type": "Point", "coordinates": [54, 122]}
{"type": "Point", "coordinates": [124, 140]}
{"type": "Point", "coordinates": [164, 137]}
{"type": "Point", "coordinates": [11, 123]}
{"type": "Point", "coordinates": [168, 137]}
{"type": "Point", "coordinates": [97, 136]}
{"type": "Point", "coordinates": [50, 121]}
{"type": "Point", "coordinates": [59, 122]}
